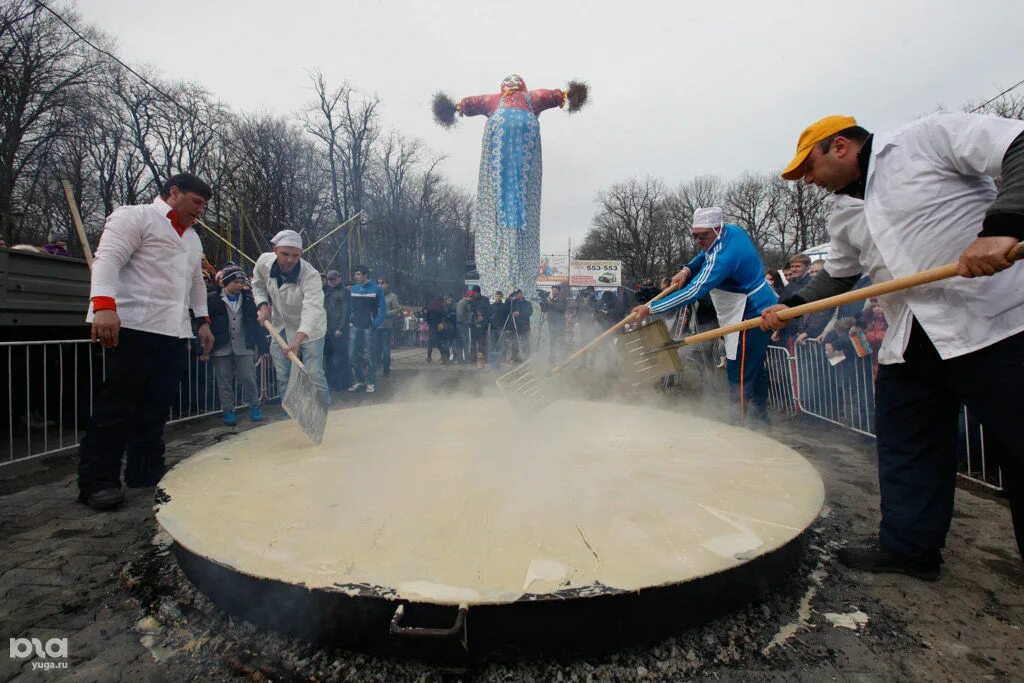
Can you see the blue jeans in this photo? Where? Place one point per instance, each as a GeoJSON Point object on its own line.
{"type": "Point", "coordinates": [462, 344]}
{"type": "Point", "coordinates": [311, 353]}
{"type": "Point", "coordinates": [384, 348]}
{"type": "Point", "coordinates": [362, 347]}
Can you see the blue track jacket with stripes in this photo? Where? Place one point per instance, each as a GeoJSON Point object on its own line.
{"type": "Point", "coordinates": [732, 265]}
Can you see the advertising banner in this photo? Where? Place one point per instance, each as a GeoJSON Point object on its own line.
{"type": "Point", "coordinates": [553, 270]}
{"type": "Point", "coordinates": [595, 273]}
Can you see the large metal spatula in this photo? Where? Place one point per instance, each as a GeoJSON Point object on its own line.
{"type": "Point", "coordinates": [529, 388]}
{"type": "Point", "coordinates": [303, 401]}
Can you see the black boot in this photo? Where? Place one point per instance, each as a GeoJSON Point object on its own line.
{"type": "Point", "coordinates": [104, 499]}
{"type": "Point", "coordinates": [881, 561]}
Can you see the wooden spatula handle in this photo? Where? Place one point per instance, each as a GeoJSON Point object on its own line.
{"type": "Point", "coordinates": [283, 344]}
{"type": "Point", "coordinates": [906, 282]}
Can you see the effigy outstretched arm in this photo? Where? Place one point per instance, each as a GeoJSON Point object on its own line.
{"type": "Point", "coordinates": [478, 105]}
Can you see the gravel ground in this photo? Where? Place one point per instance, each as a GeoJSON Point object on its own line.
{"type": "Point", "coordinates": [108, 584]}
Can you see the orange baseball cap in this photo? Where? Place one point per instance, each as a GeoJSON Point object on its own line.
{"type": "Point", "coordinates": [812, 135]}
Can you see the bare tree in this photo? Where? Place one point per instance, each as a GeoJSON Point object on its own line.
{"type": "Point", "coordinates": [270, 167]}
{"type": "Point", "coordinates": [753, 201]}
{"type": "Point", "coordinates": [346, 126]}
{"type": "Point", "coordinates": [1010, 106]}
{"type": "Point", "coordinates": [322, 121]}
{"type": "Point", "coordinates": [43, 70]}
{"type": "Point", "coordinates": [802, 218]}
{"type": "Point", "coordinates": [632, 225]}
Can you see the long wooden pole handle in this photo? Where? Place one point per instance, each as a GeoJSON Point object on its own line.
{"type": "Point", "coordinates": [284, 345]}
{"type": "Point", "coordinates": [230, 246]}
{"type": "Point", "coordinates": [617, 326]}
{"type": "Point", "coordinates": [76, 218]}
{"type": "Point", "coordinates": [906, 282]}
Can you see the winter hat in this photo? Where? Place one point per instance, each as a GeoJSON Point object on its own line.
{"type": "Point", "coordinates": [230, 274]}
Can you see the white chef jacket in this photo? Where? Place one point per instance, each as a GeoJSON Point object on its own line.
{"type": "Point", "coordinates": [153, 274]}
{"type": "Point", "coordinates": [297, 307]}
{"type": "Point", "coordinates": [928, 186]}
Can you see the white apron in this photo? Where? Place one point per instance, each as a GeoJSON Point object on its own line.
{"type": "Point", "coordinates": [729, 307]}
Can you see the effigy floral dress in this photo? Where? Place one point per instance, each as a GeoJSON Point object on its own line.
{"type": "Point", "coordinates": [506, 221]}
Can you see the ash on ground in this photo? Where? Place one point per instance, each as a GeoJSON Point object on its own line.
{"type": "Point", "coordinates": [770, 636]}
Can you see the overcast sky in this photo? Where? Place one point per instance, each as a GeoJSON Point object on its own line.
{"type": "Point", "coordinates": [677, 88]}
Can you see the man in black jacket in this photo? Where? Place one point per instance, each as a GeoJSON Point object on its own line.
{"type": "Point", "coordinates": [555, 309]}
{"type": "Point", "coordinates": [338, 305]}
{"type": "Point", "coordinates": [481, 309]}
{"type": "Point", "coordinates": [236, 335]}
{"type": "Point", "coordinates": [499, 327]}
{"type": "Point", "coordinates": [518, 326]}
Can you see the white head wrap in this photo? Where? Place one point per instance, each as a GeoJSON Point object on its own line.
{"type": "Point", "coordinates": [287, 238]}
{"type": "Point", "coordinates": [710, 217]}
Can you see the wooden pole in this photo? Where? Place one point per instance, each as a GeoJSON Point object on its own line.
{"type": "Point", "coordinates": [906, 282]}
{"type": "Point", "coordinates": [333, 231]}
{"type": "Point", "coordinates": [217, 235]}
{"type": "Point", "coordinates": [76, 218]}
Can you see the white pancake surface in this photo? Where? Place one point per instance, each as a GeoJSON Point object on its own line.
{"type": "Point", "coordinates": [463, 500]}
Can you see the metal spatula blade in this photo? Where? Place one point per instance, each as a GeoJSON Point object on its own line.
{"type": "Point", "coordinates": [526, 387]}
{"type": "Point", "coordinates": [306, 404]}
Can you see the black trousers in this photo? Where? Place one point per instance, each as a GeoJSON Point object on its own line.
{"type": "Point", "coordinates": [130, 411]}
{"type": "Point", "coordinates": [339, 372]}
{"type": "Point", "coordinates": [439, 341]}
{"type": "Point", "coordinates": [917, 407]}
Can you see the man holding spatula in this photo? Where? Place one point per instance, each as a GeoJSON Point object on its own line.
{"type": "Point", "coordinates": [928, 198]}
{"type": "Point", "coordinates": [729, 268]}
{"type": "Point", "coordinates": [288, 294]}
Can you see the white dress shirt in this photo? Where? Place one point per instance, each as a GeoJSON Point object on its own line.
{"type": "Point", "coordinates": [928, 186]}
{"type": "Point", "coordinates": [153, 274]}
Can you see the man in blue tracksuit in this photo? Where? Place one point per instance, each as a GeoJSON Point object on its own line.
{"type": "Point", "coordinates": [368, 310]}
{"type": "Point", "coordinates": [729, 268]}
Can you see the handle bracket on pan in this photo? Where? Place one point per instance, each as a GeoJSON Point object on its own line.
{"type": "Point", "coordinates": [454, 631]}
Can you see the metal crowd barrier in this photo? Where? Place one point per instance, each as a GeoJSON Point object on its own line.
{"type": "Point", "coordinates": [805, 382]}
{"type": "Point", "coordinates": [843, 394]}
{"type": "Point", "coordinates": [782, 395]}
{"type": "Point", "coordinates": [401, 337]}
{"type": "Point", "coordinates": [51, 386]}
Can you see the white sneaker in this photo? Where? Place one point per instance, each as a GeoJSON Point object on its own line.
{"type": "Point", "coordinates": [370, 388]}
{"type": "Point", "coordinates": [356, 387]}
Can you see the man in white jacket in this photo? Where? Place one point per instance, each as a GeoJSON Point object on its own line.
{"type": "Point", "coordinates": [928, 199]}
{"type": "Point", "coordinates": [146, 276]}
{"type": "Point", "coordinates": [288, 293]}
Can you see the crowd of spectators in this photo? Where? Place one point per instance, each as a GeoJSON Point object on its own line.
{"type": "Point", "coordinates": [358, 342]}
{"type": "Point", "coordinates": [836, 349]}
{"type": "Point", "coordinates": [56, 245]}
{"type": "Point", "coordinates": [477, 330]}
